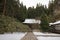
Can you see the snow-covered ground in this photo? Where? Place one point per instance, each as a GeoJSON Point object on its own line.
{"type": "Point", "coordinates": [39, 35]}
{"type": "Point", "coordinates": [13, 36]}
{"type": "Point", "coordinates": [47, 36]}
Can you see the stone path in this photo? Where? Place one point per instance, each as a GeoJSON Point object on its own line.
{"type": "Point", "coordinates": [29, 36]}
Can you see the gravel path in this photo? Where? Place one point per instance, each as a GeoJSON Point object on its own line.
{"type": "Point", "coordinates": [29, 36]}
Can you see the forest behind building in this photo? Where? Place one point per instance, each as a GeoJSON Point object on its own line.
{"type": "Point", "coordinates": [13, 13]}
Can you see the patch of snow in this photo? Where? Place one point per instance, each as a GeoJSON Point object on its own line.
{"type": "Point", "coordinates": [41, 33]}
{"type": "Point", "coordinates": [46, 36]}
{"type": "Point", "coordinates": [12, 36]}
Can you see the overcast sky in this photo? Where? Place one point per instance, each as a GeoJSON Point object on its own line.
{"type": "Point", "coordinates": [30, 3]}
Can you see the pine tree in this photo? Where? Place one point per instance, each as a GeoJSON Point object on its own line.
{"type": "Point", "coordinates": [44, 23]}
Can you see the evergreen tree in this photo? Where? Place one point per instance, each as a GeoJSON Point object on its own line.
{"type": "Point", "coordinates": [44, 23]}
{"type": "Point", "coordinates": [2, 7]}
{"type": "Point", "coordinates": [51, 7]}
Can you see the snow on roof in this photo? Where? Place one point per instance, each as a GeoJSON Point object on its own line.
{"type": "Point", "coordinates": [51, 24]}
{"type": "Point", "coordinates": [57, 22]}
{"type": "Point", "coordinates": [32, 21]}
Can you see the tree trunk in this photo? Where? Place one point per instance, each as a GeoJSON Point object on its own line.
{"type": "Point", "coordinates": [4, 9]}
